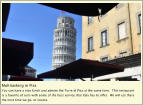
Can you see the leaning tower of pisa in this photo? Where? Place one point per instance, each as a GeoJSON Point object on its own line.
{"type": "Point", "coordinates": [64, 46]}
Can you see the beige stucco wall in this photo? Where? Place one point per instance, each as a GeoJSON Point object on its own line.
{"type": "Point", "coordinates": [135, 9]}
{"type": "Point", "coordinates": [110, 21]}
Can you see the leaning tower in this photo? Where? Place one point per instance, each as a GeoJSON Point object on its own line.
{"type": "Point", "coordinates": [64, 46]}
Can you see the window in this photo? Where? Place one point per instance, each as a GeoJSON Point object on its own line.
{"type": "Point", "coordinates": [65, 32]}
{"type": "Point", "coordinates": [122, 31]}
{"type": "Point", "coordinates": [139, 23]}
{"type": "Point", "coordinates": [119, 5]}
{"type": "Point", "coordinates": [59, 25]}
{"type": "Point", "coordinates": [104, 59]}
{"type": "Point", "coordinates": [90, 19]}
{"type": "Point", "coordinates": [104, 38]}
{"type": "Point", "coordinates": [90, 43]}
{"type": "Point", "coordinates": [67, 25]}
{"type": "Point", "coordinates": [123, 53]}
{"type": "Point", "coordinates": [70, 22]}
{"type": "Point", "coordinates": [62, 20]}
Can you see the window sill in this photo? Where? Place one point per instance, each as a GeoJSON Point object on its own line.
{"type": "Point", "coordinates": [89, 24]}
{"type": "Point", "coordinates": [90, 51]}
{"type": "Point", "coordinates": [104, 45]}
{"type": "Point", "coordinates": [119, 40]}
{"type": "Point", "coordinates": [139, 33]}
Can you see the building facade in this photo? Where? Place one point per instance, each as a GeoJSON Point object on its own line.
{"type": "Point", "coordinates": [64, 46]}
{"type": "Point", "coordinates": [5, 77]}
{"type": "Point", "coordinates": [113, 35]}
{"type": "Point", "coordinates": [29, 71]}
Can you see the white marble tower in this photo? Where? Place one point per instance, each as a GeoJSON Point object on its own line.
{"type": "Point", "coordinates": [64, 46]}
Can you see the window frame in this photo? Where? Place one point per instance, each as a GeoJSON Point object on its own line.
{"type": "Point", "coordinates": [139, 20]}
{"type": "Point", "coordinates": [89, 20]}
{"type": "Point", "coordinates": [101, 58]}
{"type": "Point", "coordinates": [123, 53]}
{"type": "Point", "coordinates": [126, 35]}
{"type": "Point", "coordinates": [90, 46]}
{"type": "Point", "coordinates": [106, 38]}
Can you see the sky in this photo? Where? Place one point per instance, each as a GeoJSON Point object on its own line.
{"type": "Point", "coordinates": [35, 23]}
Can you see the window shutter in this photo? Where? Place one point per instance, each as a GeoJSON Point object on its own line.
{"type": "Point", "coordinates": [122, 30]}
{"type": "Point", "coordinates": [139, 21]}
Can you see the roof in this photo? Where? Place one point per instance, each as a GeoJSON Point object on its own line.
{"type": "Point", "coordinates": [15, 55]}
{"type": "Point", "coordinates": [29, 67]}
{"type": "Point", "coordinates": [82, 68]}
{"type": "Point", "coordinates": [127, 61]}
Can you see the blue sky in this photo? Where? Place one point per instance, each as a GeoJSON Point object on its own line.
{"type": "Point", "coordinates": [36, 23]}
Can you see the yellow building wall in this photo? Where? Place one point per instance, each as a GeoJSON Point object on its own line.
{"type": "Point", "coordinates": [110, 22]}
{"type": "Point", "coordinates": [135, 9]}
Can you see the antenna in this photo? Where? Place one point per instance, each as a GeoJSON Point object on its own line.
{"type": "Point", "coordinates": [100, 13]}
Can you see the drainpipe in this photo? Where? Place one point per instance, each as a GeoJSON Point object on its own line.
{"type": "Point", "coordinates": [130, 29]}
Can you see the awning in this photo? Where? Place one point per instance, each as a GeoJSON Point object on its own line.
{"type": "Point", "coordinates": [83, 9]}
{"type": "Point", "coordinates": [82, 68]}
{"type": "Point", "coordinates": [5, 13]}
{"type": "Point", "coordinates": [24, 78]}
{"type": "Point", "coordinates": [15, 55]}
{"type": "Point", "coordinates": [127, 61]}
